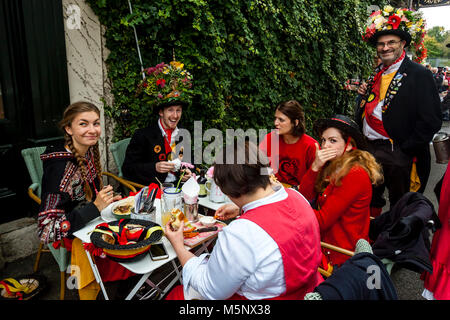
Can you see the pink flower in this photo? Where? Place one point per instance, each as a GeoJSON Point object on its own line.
{"type": "Point", "coordinates": [210, 172]}
{"type": "Point", "coordinates": [187, 165]}
{"type": "Point", "coordinates": [150, 70]}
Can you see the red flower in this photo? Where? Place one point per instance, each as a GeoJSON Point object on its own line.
{"type": "Point", "coordinates": [161, 82]}
{"type": "Point", "coordinates": [394, 21]}
{"type": "Point", "coordinates": [369, 33]}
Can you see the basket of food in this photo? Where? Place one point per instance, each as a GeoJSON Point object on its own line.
{"type": "Point", "coordinates": [125, 239]}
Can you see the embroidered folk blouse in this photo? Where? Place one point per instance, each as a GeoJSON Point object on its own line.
{"type": "Point", "coordinates": [64, 208]}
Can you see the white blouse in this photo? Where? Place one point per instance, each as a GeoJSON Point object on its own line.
{"type": "Point", "coordinates": [245, 260]}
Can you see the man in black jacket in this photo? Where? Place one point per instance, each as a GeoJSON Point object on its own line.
{"type": "Point", "coordinates": [400, 108]}
{"type": "Point", "coordinates": [153, 153]}
{"type": "Point", "coordinates": [151, 150]}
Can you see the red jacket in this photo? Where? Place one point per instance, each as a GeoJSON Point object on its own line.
{"type": "Point", "coordinates": [343, 211]}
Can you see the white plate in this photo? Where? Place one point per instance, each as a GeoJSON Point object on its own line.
{"type": "Point", "coordinates": [107, 214]}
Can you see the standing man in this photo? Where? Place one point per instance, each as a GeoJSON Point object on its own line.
{"type": "Point", "coordinates": [400, 109]}
{"type": "Point", "coordinates": [151, 154]}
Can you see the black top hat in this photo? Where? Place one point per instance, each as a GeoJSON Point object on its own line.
{"type": "Point", "coordinates": [400, 33]}
{"type": "Point", "coordinates": [343, 123]}
{"type": "Point", "coordinates": [167, 104]}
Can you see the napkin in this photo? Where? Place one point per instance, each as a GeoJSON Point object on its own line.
{"type": "Point", "coordinates": [190, 191]}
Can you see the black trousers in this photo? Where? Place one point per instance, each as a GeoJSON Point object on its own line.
{"type": "Point", "coordinates": [396, 167]}
{"type": "Point", "coordinates": [423, 166]}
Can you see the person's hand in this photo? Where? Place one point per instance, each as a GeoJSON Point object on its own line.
{"type": "Point", "coordinates": [362, 89]}
{"type": "Point", "coordinates": [322, 156]}
{"type": "Point", "coordinates": [227, 211]}
{"type": "Point", "coordinates": [187, 175]}
{"type": "Point", "coordinates": [105, 197]}
{"type": "Point", "coordinates": [164, 166]}
{"type": "Point", "coordinates": [176, 238]}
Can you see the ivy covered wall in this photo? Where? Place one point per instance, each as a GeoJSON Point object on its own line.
{"type": "Point", "coordinates": [245, 56]}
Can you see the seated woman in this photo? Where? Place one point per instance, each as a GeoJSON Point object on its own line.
{"type": "Point", "coordinates": [271, 252]}
{"type": "Point", "coordinates": [290, 149]}
{"type": "Point", "coordinates": [339, 184]}
{"type": "Point", "coordinates": [72, 190]}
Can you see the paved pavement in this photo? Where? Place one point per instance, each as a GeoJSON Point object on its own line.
{"type": "Point", "coordinates": [408, 283]}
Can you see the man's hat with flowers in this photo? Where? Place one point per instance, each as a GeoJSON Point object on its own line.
{"type": "Point", "coordinates": [167, 85]}
{"type": "Point", "coordinates": [408, 24]}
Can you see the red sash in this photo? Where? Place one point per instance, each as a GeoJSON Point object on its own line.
{"type": "Point", "coordinates": [374, 97]}
{"type": "Point", "coordinates": [167, 139]}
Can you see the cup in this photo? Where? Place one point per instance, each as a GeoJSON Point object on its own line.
{"type": "Point", "coordinates": [167, 185]}
{"type": "Point", "coordinates": [170, 199]}
{"type": "Point", "coordinates": [191, 211]}
{"type": "Point", "coordinates": [215, 194]}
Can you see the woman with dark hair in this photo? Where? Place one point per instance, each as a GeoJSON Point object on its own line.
{"type": "Point", "coordinates": [290, 150]}
{"type": "Point", "coordinates": [271, 252]}
{"type": "Point", "coordinates": [339, 184]}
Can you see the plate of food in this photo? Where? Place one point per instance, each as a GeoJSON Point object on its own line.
{"type": "Point", "coordinates": [121, 209]}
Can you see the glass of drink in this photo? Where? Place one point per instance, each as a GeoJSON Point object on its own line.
{"type": "Point", "coordinates": [170, 199]}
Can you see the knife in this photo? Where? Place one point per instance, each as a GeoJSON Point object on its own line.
{"type": "Point", "coordinates": [192, 234]}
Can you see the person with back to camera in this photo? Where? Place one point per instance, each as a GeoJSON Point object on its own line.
{"type": "Point", "coordinates": [400, 109]}
{"type": "Point", "coordinates": [271, 252]}
{"type": "Point", "coordinates": [339, 185]}
{"type": "Point", "coordinates": [296, 149]}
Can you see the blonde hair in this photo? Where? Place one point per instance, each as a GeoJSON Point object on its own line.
{"type": "Point", "coordinates": [68, 116]}
{"type": "Point", "coordinates": [338, 168]}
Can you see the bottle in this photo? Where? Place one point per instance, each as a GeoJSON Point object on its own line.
{"type": "Point", "coordinates": [201, 182]}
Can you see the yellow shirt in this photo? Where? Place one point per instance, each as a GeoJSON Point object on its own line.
{"type": "Point", "coordinates": [385, 82]}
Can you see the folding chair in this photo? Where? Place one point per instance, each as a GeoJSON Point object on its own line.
{"type": "Point", "coordinates": [34, 165]}
{"type": "Point", "coordinates": [349, 253]}
{"type": "Point", "coordinates": [355, 287]}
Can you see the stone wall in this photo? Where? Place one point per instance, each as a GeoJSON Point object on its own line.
{"type": "Point", "coordinates": [86, 55]}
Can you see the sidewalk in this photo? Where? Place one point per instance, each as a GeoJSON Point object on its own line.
{"type": "Point", "coordinates": [408, 283]}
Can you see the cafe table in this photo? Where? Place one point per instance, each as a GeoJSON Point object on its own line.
{"type": "Point", "coordinates": [207, 203]}
{"type": "Point", "coordinates": [144, 265]}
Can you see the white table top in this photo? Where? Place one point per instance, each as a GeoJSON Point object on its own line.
{"type": "Point", "coordinates": [145, 264]}
{"type": "Point", "coordinates": [205, 202]}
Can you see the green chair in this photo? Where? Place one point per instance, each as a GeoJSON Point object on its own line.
{"type": "Point", "coordinates": [118, 150]}
{"type": "Point", "coordinates": [35, 169]}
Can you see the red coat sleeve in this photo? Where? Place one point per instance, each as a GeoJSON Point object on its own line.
{"type": "Point", "coordinates": [337, 200]}
{"type": "Point", "coordinates": [306, 187]}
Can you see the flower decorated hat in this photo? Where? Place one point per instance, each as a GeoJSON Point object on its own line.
{"type": "Point", "coordinates": [167, 85]}
{"type": "Point", "coordinates": [408, 24]}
